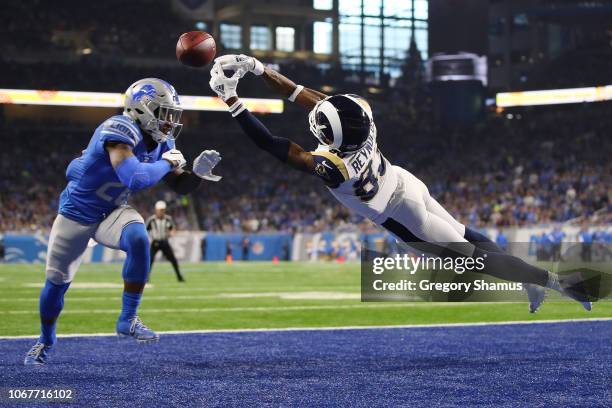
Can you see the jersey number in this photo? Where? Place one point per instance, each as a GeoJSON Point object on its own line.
{"type": "Point", "coordinates": [106, 190]}
{"type": "Point", "coordinates": [367, 186]}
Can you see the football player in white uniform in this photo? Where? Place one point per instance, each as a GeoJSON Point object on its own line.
{"type": "Point", "coordinates": [355, 171]}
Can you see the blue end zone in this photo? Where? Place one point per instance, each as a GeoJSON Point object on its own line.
{"type": "Point", "coordinates": [566, 364]}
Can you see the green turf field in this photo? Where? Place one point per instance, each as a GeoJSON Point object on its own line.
{"type": "Point", "coordinates": [243, 295]}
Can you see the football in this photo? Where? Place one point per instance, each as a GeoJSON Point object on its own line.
{"type": "Point", "coordinates": [196, 48]}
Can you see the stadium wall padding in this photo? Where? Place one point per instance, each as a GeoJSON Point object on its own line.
{"type": "Point", "coordinates": [251, 247]}
{"type": "Point", "coordinates": [202, 246]}
{"type": "Point", "coordinates": [188, 247]}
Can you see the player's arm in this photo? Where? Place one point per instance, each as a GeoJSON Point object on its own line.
{"type": "Point", "coordinates": [282, 85]}
{"type": "Point", "coordinates": [120, 137]}
{"type": "Point", "coordinates": [134, 174]}
{"type": "Point", "coordinates": [285, 87]}
{"type": "Point", "coordinates": [137, 176]}
{"type": "Point", "coordinates": [182, 181]}
{"type": "Point", "coordinates": [325, 165]}
{"type": "Point", "coordinates": [282, 148]}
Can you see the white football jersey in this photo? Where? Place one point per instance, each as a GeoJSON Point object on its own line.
{"type": "Point", "coordinates": [363, 180]}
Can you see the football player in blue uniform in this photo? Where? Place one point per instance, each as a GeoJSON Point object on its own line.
{"type": "Point", "coordinates": [126, 153]}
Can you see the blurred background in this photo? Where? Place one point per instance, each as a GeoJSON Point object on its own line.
{"type": "Point", "coordinates": [446, 80]}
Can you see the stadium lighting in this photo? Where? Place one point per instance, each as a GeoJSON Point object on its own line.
{"type": "Point", "coordinates": [115, 100]}
{"type": "Point", "coordinates": [554, 96]}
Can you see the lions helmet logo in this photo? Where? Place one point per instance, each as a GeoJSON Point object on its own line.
{"type": "Point", "coordinates": [145, 90]}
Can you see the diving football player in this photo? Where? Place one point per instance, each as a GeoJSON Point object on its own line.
{"type": "Point", "coordinates": [350, 164]}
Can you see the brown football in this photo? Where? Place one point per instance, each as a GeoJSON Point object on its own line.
{"type": "Point", "coordinates": [196, 48]}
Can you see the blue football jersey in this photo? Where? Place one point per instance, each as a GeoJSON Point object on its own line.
{"type": "Point", "coordinates": [94, 189]}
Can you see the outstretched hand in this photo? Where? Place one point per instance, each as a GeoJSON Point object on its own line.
{"type": "Point", "coordinates": [240, 64]}
{"type": "Point", "coordinates": [204, 164]}
{"type": "Point", "coordinates": [223, 86]}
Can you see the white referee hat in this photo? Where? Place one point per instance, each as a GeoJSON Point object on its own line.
{"type": "Point", "coordinates": [160, 205]}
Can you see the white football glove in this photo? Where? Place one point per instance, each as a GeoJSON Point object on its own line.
{"type": "Point", "coordinates": [240, 64]}
{"type": "Point", "coordinates": [175, 158]}
{"type": "Point", "coordinates": [205, 163]}
{"type": "Point", "coordinates": [223, 86]}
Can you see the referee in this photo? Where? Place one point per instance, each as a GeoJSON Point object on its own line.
{"type": "Point", "coordinates": [161, 227]}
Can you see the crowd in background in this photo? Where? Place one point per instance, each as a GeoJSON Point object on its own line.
{"type": "Point", "coordinates": [67, 26]}
{"type": "Point", "coordinates": [514, 168]}
{"type": "Point", "coordinates": [545, 165]}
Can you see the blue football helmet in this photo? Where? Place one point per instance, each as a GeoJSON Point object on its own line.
{"type": "Point", "coordinates": [342, 122]}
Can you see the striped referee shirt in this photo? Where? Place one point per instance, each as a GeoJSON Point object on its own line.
{"type": "Point", "coordinates": [159, 228]}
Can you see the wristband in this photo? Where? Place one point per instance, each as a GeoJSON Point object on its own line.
{"type": "Point", "coordinates": [236, 108]}
{"type": "Point", "coordinates": [258, 67]}
{"type": "Point", "coordinates": [295, 93]}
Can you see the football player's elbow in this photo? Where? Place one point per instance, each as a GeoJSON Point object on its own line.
{"type": "Point", "coordinates": [138, 181]}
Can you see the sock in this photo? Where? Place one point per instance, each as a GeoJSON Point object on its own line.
{"type": "Point", "coordinates": [130, 304]}
{"type": "Point", "coordinates": [135, 242]}
{"type": "Point", "coordinates": [481, 241]}
{"type": "Point", "coordinates": [50, 305]}
{"type": "Point", "coordinates": [511, 268]}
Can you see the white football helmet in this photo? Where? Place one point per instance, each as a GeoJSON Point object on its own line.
{"type": "Point", "coordinates": [154, 105]}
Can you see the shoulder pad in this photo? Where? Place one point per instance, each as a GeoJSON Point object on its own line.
{"type": "Point", "coordinates": [120, 129]}
{"type": "Point", "coordinates": [329, 167]}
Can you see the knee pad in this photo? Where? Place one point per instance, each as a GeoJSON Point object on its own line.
{"type": "Point", "coordinates": [110, 230]}
{"type": "Point", "coordinates": [135, 242]}
{"type": "Point", "coordinates": [52, 299]}
{"type": "Point", "coordinates": [134, 238]}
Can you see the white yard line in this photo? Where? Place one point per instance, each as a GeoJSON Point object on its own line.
{"type": "Point", "coordinates": [179, 310]}
{"type": "Point", "coordinates": [384, 327]}
{"type": "Point", "coordinates": [311, 295]}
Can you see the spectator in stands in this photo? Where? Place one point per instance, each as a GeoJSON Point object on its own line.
{"type": "Point", "coordinates": [585, 237]}
{"type": "Point", "coordinates": [556, 239]}
{"type": "Point", "coordinates": [501, 239]}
